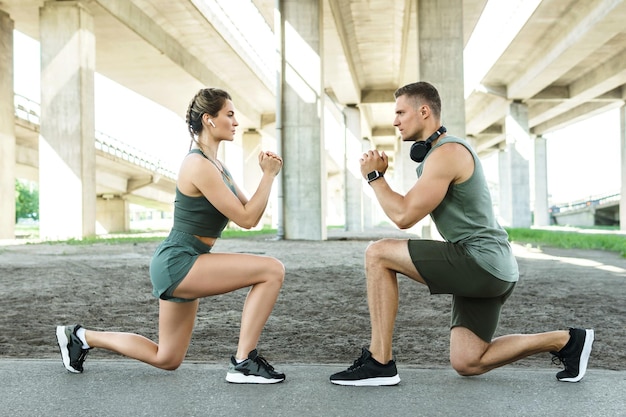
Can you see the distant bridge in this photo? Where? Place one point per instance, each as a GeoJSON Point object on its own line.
{"type": "Point", "coordinates": [126, 173]}
{"type": "Point", "coordinates": [122, 172]}
{"type": "Point", "coordinates": [601, 210]}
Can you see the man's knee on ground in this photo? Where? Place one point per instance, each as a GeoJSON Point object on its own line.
{"type": "Point", "coordinates": [466, 366]}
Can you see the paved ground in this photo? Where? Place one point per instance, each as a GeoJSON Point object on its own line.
{"type": "Point", "coordinates": [120, 387]}
{"type": "Point", "coordinates": [128, 388]}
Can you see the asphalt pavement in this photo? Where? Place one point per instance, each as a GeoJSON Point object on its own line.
{"type": "Point", "coordinates": [130, 388]}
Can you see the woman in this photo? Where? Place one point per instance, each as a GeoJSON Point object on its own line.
{"type": "Point", "coordinates": [183, 269]}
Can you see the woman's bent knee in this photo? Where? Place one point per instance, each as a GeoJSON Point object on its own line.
{"type": "Point", "coordinates": [277, 271]}
{"type": "Point", "coordinates": [169, 364]}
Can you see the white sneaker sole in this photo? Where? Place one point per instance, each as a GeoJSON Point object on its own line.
{"type": "Point", "coordinates": [584, 357]}
{"type": "Point", "coordinates": [369, 382]}
{"type": "Point", "coordinates": [65, 353]}
{"type": "Point", "coordinates": [239, 378]}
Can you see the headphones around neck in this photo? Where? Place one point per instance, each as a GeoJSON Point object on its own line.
{"type": "Point", "coordinates": [421, 148]}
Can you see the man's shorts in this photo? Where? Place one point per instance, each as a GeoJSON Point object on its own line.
{"type": "Point", "coordinates": [478, 296]}
{"type": "Point", "coordinates": [171, 263]}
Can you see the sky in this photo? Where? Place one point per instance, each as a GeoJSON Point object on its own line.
{"type": "Point", "coordinates": [583, 160]}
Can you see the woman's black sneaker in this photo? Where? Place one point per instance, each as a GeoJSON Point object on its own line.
{"type": "Point", "coordinates": [254, 370]}
{"type": "Point", "coordinates": [71, 347]}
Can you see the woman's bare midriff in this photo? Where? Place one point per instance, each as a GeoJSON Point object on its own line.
{"type": "Point", "coordinates": [209, 241]}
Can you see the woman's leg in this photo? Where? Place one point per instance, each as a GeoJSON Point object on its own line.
{"type": "Point", "coordinates": [219, 273]}
{"type": "Point", "coordinates": [176, 322]}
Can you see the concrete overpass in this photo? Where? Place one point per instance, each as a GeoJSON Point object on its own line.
{"type": "Point", "coordinates": [123, 175]}
{"type": "Point", "coordinates": [601, 210]}
{"type": "Point", "coordinates": [567, 62]}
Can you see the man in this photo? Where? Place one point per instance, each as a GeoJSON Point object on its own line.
{"type": "Point", "coordinates": [475, 263]}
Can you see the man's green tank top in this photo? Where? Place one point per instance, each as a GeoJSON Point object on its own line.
{"type": "Point", "coordinates": [466, 217]}
{"type": "Point", "coordinates": [196, 215]}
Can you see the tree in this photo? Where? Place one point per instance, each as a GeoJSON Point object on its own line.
{"type": "Point", "coordinates": [26, 201]}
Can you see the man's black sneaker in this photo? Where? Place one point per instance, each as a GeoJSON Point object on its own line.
{"type": "Point", "coordinates": [254, 370]}
{"type": "Point", "coordinates": [366, 371]}
{"type": "Point", "coordinates": [574, 355]}
{"type": "Point", "coordinates": [72, 351]}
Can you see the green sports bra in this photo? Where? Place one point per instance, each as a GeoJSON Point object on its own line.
{"type": "Point", "coordinates": [196, 215]}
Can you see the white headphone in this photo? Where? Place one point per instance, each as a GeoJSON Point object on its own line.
{"type": "Point", "coordinates": [211, 123]}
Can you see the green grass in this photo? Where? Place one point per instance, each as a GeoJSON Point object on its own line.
{"type": "Point", "coordinates": [142, 238]}
{"type": "Point", "coordinates": [583, 239]}
{"type": "Point", "coordinates": [570, 240]}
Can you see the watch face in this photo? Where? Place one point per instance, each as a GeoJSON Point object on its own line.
{"type": "Point", "coordinates": [372, 175]}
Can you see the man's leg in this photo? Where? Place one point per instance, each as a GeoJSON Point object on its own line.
{"type": "Point", "coordinates": [383, 260]}
{"type": "Point", "coordinates": [470, 355]}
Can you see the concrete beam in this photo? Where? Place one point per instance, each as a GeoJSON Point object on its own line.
{"type": "Point", "coordinates": [575, 36]}
{"type": "Point", "coordinates": [384, 131]}
{"type": "Point", "coordinates": [485, 143]}
{"type": "Point", "coordinates": [134, 184]}
{"type": "Point", "coordinates": [577, 114]}
{"type": "Point", "coordinates": [602, 79]}
{"type": "Point", "coordinates": [341, 25]}
{"type": "Point", "coordinates": [406, 52]}
{"type": "Point", "coordinates": [551, 93]}
{"type": "Point", "coordinates": [134, 18]}
{"type": "Point", "coordinates": [605, 77]}
{"type": "Point", "coordinates": [378, 96]}
{"type": "Point", "coordinates": [493, 111]}
{"type": "Point", "coordinates": [496, 90]}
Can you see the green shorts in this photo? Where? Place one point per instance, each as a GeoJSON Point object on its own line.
{"type": "Point", "coordinates": [171, 263]}
{"type": "Point", "coordinates": [478, 296]}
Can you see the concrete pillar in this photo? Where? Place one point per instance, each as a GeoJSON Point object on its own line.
{"type": "Point", "coordinates": [514, 168]}
{"type": "Point", "coordinates": [113, 215]}
{"type": "Point", "coordinates": [405, 167]}
{"type": "Point", "coordinates": [405, 172]}
{"type": "Point", "coordinates": [67, 165]}
{"type": "Point", "coordinates": [622, 146]}
{"type": "Point", "coordinates": [251, 146]}
{"type": "Point", "coordinates": [440, 43]}
{"type": "Point", "coordinates": [440, 40]}
{"type": "Point", "coordinates": [353, 180]}
{"type": "Point", "coordinates": [541, 215]}
{"type": "Point", "coordinates": [299, 119]}
{"type": "Point", "coordinates": [7, 130]}
{"type": "Point", "coordinates": [367, 196]}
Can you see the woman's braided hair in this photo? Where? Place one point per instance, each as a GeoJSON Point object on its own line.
{"type": "Point", "coordinates": [207, 100]}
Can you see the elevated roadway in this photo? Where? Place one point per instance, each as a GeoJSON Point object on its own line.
{"type": "Point", "coordinates": [601, 210]}
{"type": "Point", "coordinates": [122, 173]}
{"type": "Point", "coordinates": [565, 64]}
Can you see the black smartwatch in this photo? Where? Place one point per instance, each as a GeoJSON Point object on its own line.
{"type": "Point", "coordinates": [373, 176]}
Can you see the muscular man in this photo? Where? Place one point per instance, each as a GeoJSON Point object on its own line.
{"type": "Point", "coordinates": [475, 263]}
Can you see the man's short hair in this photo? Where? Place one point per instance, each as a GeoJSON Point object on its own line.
{"type": "Point", "coordinates": [423, 93]}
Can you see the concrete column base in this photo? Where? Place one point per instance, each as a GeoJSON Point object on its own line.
{"type": "Point", "coordinates": [112, 216]}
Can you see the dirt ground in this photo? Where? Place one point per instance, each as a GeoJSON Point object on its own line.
{"type": "Point", "coordinates": [321, 315]}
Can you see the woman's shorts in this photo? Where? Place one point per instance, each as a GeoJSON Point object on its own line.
{"type": "Point", "coordinates": [172, 261]}
{"type": "Point", "coordinates": [478, 296]}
